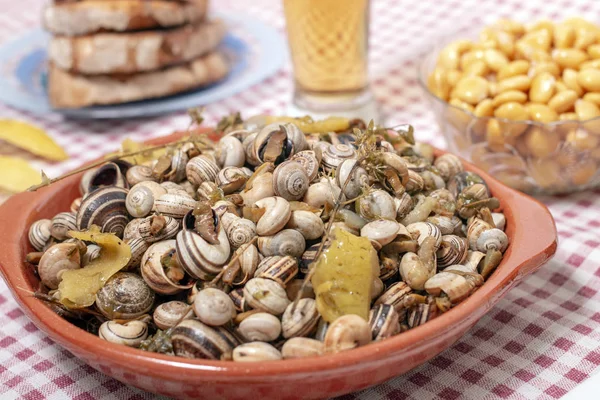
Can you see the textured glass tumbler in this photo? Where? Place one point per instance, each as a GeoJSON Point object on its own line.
{"type": "Point", "coordinates": [328, 41]}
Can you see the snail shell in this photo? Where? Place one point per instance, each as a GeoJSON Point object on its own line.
{"type": "Point", "coordinates": [300, 320]}
{"type": "Point", "coordinates": [345, 333]}
{"type": "Point", "coordinates": [39, 233]}
{"type": "Point", "coordinates": [131, 333]}
{"type": "Point", "coordinates": [460, 181]}
{"type": "Point", "coordinates": [278, 142]}
{"type": "Point", "coordinates": [261, 326]}
{"type": "Point", "coordinates": [193, 339]}
{"type": "Point", "coordinates": [448, 165]}
{"type": "Point", "coordinates": [287, 242]}
{"type": "Point", "coordinates": [310, 161]}
{"type": "Point", "coordinates": [61, 224]}
{"type": "Point", "coordinates": [266, 295]}
{"type": "Point", "coordinates": [356, 178]}
{"type": "Point", "coordinates": [499, 220]}
{"type": "Point", "coordinates": [139, 201]}
{"type": "Point", "coordinates": [57, 259]}
{"type": "Point", "coordinates": [308, 257]}
{"type": "Point", "coordinates": [237, 296]}
{"type": "Point", "coordinates": [255, 352]}
{"type": "Point", "coordinates": [178, 166]}
{"type": "Point", "coordinates": [388, 267]}
{"type": "Point", "coordinates": [239, 230]}
{"type": "Point", "coordinates": [455, 286]}
{"type": "Point", "coordinates": [132, 229]}
{"type": "Point", "coordinates": [473, 260]}
{"type": "Point", "coordinates": [168, 314]}
{"type": "Point", "coordinates": [277, 212]}
{"type": "Point", "coordinates": [384, 322]}
{"type": "Point", "coordinates": [248, 260]}
{"type": "Point", "coordinates": [321, 193]}
{"type": "Point", "coordinates": [300, 347]}
{"type": "Point", "coordinates": [75, 205]}
{"type": "Point", "coordinates": [174, 188]}
{"type": "Point", "coordinates": [421, 313]}
{"type": "Point", "coordinates": [280, 269]}
{"type": "Point", "coordinates": [474, 230]}
{"type": "Point", "coordinates": [398, 164]}
{"type": "Point", "coordinates": [91, 253]}
{"type": "Point", "coordinates": [492, 239]}
{"type": "Point", "coordinates": [231, 179]}
{"type": "Point", "coordinates": [262, 187]}
{"type": "Point", "coordinates": [106, 208]}
{"type": "Point", "coordinates": [394, 296]}
{"type": "Point", "coordinates": [201, 169]}
{"type": "Point", "coordinates": [107, 175]}
{"type": "Point", "coordinates": [334, 154]}
{"type": "Point", "coordinates": [230, 152]}
{"type": "Point", "coordinates": [423, 230]}
{"type": "Point", "coordinates": [153, 266]}
{"type": "Point", "coordinates": [447, 225]}
{"type": "Point", "coordinates": [200, 259]}
{"type": "Point", "coordinates": [138, 247]}
{"type": "Point", "coordinates": [124, 296]}
{"type": "Point", "coordinates": [290, 180]}
{"type": "Point", "coordinates": [174, 205]}
{"type": "Point", "coordinates": [148, 230]}
{"type": "Point", "coordinates": [377, 204]}
{"type": "Point", "coordinates": [307, 223]}
{"type": "Point", "coordinates": [139, 173]}
{"type": "Point", "coordinates": [415, 182]}
{"type": "Point", "coordinates": [452, 250]}
{"type": "Point", "coordinates": [214, 307]}
{"type": "Point", "coordinates": [248, 146]}
{"type": "Point", "coordinates": [207, 191]}
{"type": "Point", "coordinates": [404, 205]}
{"type": "Point", "coordinates": [84, 184]}
{"type": "Point", "coordinates": [382, 231]}
{"type": "Point", "coordinates": [446, 202]}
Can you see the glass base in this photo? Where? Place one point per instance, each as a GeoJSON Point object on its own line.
{"type": "Point", "coordinates": [320, 106]}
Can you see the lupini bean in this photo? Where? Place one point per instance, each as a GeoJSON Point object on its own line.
{"type": "Point", "coordinates": [563, 101]}
{"type": "Point", "coordinates": [542, 87]}
{"type": "Point", "coordinates": [589, 79]}
{"type": "Point", "coordinates": [471, 89]}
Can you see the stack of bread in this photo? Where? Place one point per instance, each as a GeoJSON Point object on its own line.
{"type": "Point", "coordinates": [117, 51]}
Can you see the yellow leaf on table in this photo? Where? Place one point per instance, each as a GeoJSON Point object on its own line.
{"type": "Point", "coordinates": [31, 138]}
{"type": "Point", "coordinates": [78, 287]}
{"type": "Point", "coordinates": [16, 175]}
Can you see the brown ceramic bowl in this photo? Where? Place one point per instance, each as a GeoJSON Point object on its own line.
{"type": "Point", "coordinates": [530, 228]}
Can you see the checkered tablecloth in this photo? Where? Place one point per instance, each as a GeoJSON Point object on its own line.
{"type": "Point", "coordinates": [540, 341]}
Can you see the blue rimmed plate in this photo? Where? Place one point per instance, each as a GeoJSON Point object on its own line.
{"type": "Point", "coordinates": [255, 50]}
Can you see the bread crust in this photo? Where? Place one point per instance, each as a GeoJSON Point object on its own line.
{"type": "Point", "coordinates": [74, 18]}
{"type": "Point", "coordinates": [67, 90]}
{"type": "Point", "coordinates": [127, 53]}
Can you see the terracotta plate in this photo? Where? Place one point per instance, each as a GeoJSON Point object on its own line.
{"type": "Point", "coordinates": [533, 239]}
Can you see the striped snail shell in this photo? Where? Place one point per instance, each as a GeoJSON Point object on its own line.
{"type": "Point", "coordinates": [168, 314]}
{"type": "Point", "coordinates": [308, 256]}
{"type": "Point", "coordinates": [384, 321]}
{"type": "Point", "coordinates": [39, 233]}
{"type": "Point", "coordinates": [75, 205]}
{"type": "Point", "coordinates": [157, 227]}
{"type": "Point", "coordinates": [423, 230]}
{"type": "Point", "coordinates": [452, 250]}
{"type": "Point", "coordinates": [84, 184]}
{"type": "Point", "coordinates": [277, 142]}
{"type": "Point", "coordinates": [237, 296]}
{"type": "Point", "coordinates": [474, 230]}
{"type": "Point", "coordinates": [290, 180]}
{"type": "Point", "coordinates": [239, 230]}
{"type": "Point", "coordinates": [105, 208]}
{"type": "Point", "coordinates": [356, 178]}
{"type": "Point", "coordinates": [334, 154]}
{"type": "Point", "coordinates": [200, 259]}
{"type": "Point", "coordinates": [231, 179]}
{"type": "Point", "coordinates": [131, 333]}
{"type": "Point", "coordinates": [279, 269]}
{"type": "Point", "coordinates": [421, 313]}
{"type": "Point", "coordinates": [248, 146]}
{"type": "Point", "coordinates": [345, 333]}
{"type": "Point", "coordinates": [460, 181]}
{"type": "Point", "coordinates": [132, 229]}
{"type": "Point", "coordinates": [124, 296]}
{"type": "Point", "coordinates": [178, 166]}
{"type": "Point", "coordinates": [455, 286]}
{"type": "Point", "coordinates": [174, 205]}
{"type": "Point", "coordinates": [447, 225]}
{"type": "Point", "coordinates": [415, 182]}
{"type": "Point", "coordinates": [62, 223]}
{"type": "Point", "coordinates": [139, 201]}
{"type": "Point", "coordinates": [160, 270]}
{"type": "Point", "coordinates": [394, 296]}
{"type": "Point", "coordinates": [448, 165]}
{"type": "Point", "coordinates": [492, 239]}
{"type": "Point", "coordinates": [300, 320]}
{"type": "Point", "coordinates": [138, 247]}
{"type": "Point", "coordinates": [208, 190]}
{"type": "Point", "coordinates": [92, 252]}
{"type": "Point", "coordinates": [55, 260]}
{"type": "Point", "coordinates": [201, 169]}
{"type": "Point", "coordinates": [310, 161]}
{"type": "Point", "coordinates": [109, 174]}
{"type": "Point", "coordinates": [193, 339]}
{"type": "Point", "coordinates": [139, 173]}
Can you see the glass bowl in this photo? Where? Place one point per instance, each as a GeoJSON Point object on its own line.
{"type": "Point", "coordinates": [536, 158]}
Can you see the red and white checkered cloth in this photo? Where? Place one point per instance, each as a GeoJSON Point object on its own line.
{"type": "Point", "coordinates": [540, 341]}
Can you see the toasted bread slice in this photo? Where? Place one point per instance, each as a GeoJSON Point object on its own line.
{"type": "Point", "coordinates": [127, 53]}
{"type": "Point", "coordinates": [67, 90]}
{"type": "Point", "coordinates": [93, 16]}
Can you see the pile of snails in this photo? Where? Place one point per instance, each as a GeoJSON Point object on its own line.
{"type": "Point", "coordinates": [222, 238]}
